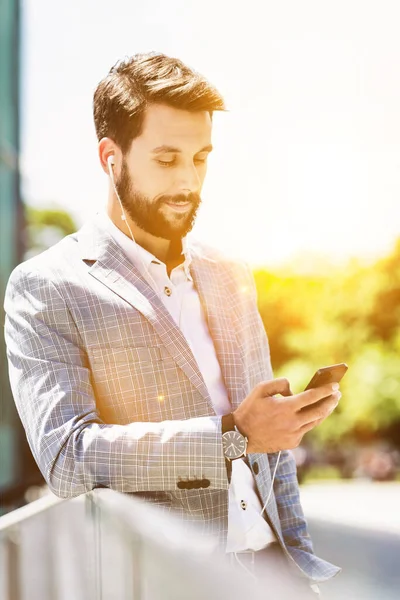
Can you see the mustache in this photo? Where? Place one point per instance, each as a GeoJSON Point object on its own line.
{"type": "Point", "coordinates": [193, 198]}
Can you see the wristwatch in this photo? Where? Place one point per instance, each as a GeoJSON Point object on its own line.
{"type": "Point", "coordinates": [233, 442]}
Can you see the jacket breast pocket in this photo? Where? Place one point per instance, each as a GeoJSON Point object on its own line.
{"type": "Point", "coordinates": [128, 355]}
{"type": "Point", "coordinates": [136, 383]}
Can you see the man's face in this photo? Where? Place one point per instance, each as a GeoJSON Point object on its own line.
{"type": "Point", "coordinates": [163, 173]}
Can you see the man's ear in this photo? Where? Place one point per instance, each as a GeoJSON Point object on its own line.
{"type": "Point", "coordinates": [109, 151]}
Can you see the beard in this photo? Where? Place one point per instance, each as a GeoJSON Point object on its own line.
{"type": "Point", "coordinates": [148, 214]}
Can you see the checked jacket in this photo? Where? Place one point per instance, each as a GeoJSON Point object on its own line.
{"type": "Point", "coordinates": [110, 394]}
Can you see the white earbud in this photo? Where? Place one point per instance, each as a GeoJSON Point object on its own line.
{"type": "Point", "coordinates": [110, 163]}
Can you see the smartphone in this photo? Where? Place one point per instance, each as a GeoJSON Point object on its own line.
{"type": "Point", "coordinates": [332, 374]}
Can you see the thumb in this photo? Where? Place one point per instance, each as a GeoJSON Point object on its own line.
{"type": "Point", "coordinates": [280, 385]}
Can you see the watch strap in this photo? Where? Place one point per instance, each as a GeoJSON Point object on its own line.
{"type": "Point", "coordinates": [228, 424]}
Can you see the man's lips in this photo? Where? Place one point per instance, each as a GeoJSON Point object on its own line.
{"type": "Point", "coordinates": [179, 206]}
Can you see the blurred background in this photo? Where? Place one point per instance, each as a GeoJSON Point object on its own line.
{"type": "Point", "coordinates": [304, 184]}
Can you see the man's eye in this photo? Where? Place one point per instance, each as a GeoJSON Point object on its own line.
{"type": "Point", "coordinates": [166, 163]}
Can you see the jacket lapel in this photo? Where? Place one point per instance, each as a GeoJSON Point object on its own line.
{"type": "Point", "coordinates": [113, 269]}
{"type": "Point", "coordinates": [213, 283]}
{"type": "Point", "coordinates": [213, 288]}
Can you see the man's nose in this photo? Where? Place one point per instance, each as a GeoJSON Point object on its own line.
{"type": "Point", "coordinates": [189, 179]}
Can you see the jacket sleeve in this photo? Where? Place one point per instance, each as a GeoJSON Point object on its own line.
{"type": "Point", "coordinates": [287, 496]}
{"type": "Point", "coordinates": [74, 449]}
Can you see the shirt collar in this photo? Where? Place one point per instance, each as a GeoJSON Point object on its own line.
{"type": "Point", "coordinates": [138, 255]}
{"type": "Point", "coordinates": [188, 257]}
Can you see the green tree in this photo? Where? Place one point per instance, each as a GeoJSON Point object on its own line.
{"type": "Point", "coordinates": [351, 316]}
{"type": "Point", "coordinates": [45, 227]}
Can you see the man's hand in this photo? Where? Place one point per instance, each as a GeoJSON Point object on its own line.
{"type": "Point", "coordinates": [273, 423]}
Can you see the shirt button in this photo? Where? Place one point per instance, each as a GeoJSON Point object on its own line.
{"type": "Point", "coordinates": [167, 291]}
{"type": "Point", "coordinates": [243, 504]}
{"type": "Point", "coordinates": [255, 468]}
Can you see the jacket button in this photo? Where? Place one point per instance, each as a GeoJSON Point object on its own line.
{"type": "Point", "coordinates": [255, 468]}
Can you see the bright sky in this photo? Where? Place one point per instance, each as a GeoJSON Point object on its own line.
{"type": "Point", "coordinates": [307, 159]}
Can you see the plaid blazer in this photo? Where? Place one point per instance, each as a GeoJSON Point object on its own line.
{"type": "Point", "coordinates": [110, 394]}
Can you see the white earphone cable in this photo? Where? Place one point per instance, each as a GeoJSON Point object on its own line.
{"type": "Point", "coordinates": [145, 272]}
{"type": "Point", "coordinates": [154, 286]}
{"type": "Point", "coordinates": [272, 484]}
{"type": "Point", "coordinates": [255, 523]}
{"type": "Point", "coordinates": [270, 491]}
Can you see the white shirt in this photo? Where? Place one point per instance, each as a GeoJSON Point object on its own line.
{"type": "Point", "coordinates": [247, 530]}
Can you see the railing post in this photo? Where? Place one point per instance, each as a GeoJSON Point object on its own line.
{"type": "Point", "coordinates": [13, 563]}
{"type": "Point", "coordinates": [94, 511]}
{"type": "Point", "coordinates": [137, 571]}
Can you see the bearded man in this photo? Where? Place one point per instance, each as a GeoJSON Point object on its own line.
{"type": "Point", "coordinates": [137, 356]}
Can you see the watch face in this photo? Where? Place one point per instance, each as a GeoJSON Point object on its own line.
{"type": "Point", "coordinates": [234, 444]}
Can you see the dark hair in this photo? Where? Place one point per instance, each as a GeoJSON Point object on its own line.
{"type": "Point", "coordinates": [121, 98]}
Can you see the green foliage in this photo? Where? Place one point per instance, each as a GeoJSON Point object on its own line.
{"type": "Point", "coordinates": [350, 316]}
{"type": "Point", "coordinates": [45, 227]}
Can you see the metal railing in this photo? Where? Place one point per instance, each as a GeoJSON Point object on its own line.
{"type": "Point", "coordinates": [109, 546]}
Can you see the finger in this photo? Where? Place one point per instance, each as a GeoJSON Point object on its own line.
{"type": "Point", "coordinates": [287, 393]}
{"type": "Point", "coordinates": [280, 385]}
{"type": "Point", "coordinates": [309, 426]}
{"type": "Point", "coordinates": [320, 410]}
{"type": "Point", "coordinates": [315, 395]}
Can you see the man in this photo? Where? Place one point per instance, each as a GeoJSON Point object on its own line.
{"type": "Point", "coordinates": [138, 359]}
